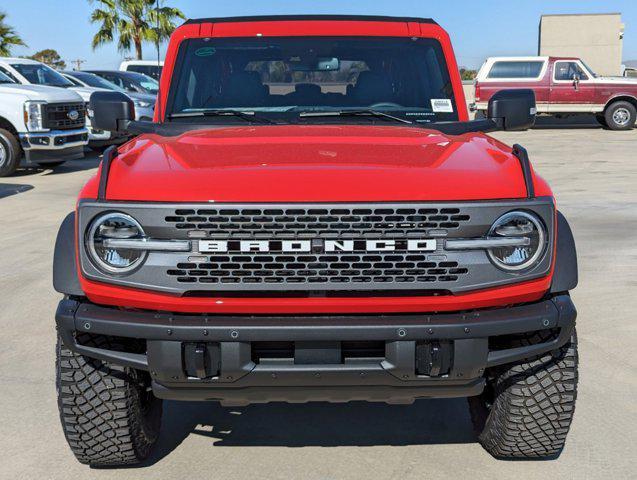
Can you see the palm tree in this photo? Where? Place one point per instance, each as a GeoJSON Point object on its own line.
{"type": "Point", "coordinates": [133, 22]}
{"type": "Point", "coordinates": [8, 37]}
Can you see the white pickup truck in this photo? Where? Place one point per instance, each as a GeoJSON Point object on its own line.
{"type": "Point", "coordinates": [39, 125]}
{"type": "Point", "coordinates": [30, 72]}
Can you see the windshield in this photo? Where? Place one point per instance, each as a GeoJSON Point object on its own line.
{"type": "Point", "coordinates": [5, 79]}
{"type": "Point", "coordinates": [148, 84]}
{"type": "Point", "coordinates": [95, 81]}
{"type": "Point", "coordinates": [40, 74]}
{"type": "Point", "coordinates": [153, 71]}
{"type": "Point", "coordinates": [287, 77]}
{"type": "Point", "coordinates": [590, 70]}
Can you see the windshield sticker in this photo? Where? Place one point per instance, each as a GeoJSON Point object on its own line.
{"type": "Point", "coordinates": [205, 51]}
{"type": "Point", "coordinates": [441, 105]}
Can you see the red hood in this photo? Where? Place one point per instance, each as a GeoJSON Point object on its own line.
{"type": "Point", "coordinates": [314, 164]}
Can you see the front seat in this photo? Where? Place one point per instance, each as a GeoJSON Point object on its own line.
{"type": "Point", "coordinates": [372, 87]}
{"type": "Point", "coordinates": [244, 89]}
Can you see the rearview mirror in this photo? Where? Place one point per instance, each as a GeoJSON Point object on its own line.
{"type": "Point", "coordinates": [320, 64]}
{"type": "Point", "coordinates": [513, 109]}
{"type": "Point", "coordinates": [111, 111]}
{"type": "Point", "coordinates": [328, 64]}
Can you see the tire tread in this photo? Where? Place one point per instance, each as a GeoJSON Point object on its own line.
{"type": "Point", "coordinates": [533, 407]}
{"type": "Point", "coordinates": [101, 412]}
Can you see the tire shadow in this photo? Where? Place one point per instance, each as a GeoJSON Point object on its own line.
{"type": "Point", "coordinates": [426, 422]}
{"type": "Point", "coordinates": [8, 189]}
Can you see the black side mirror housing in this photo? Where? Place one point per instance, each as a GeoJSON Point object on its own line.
{"type": "Point", "coordinates": [513, 110]}
{"type": "Point", "coordinates": [111, 111]}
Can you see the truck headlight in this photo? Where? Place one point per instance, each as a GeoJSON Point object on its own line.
{"type": "Point", "coordinates": [115, 226]}
{"type": "Point", "coordinates": [34, 116]}
{"type": "Point", "coordinates": [521, 225]}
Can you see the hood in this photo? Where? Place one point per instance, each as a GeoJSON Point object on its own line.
{"type": "Point", "coordinates": [86, 92]}
{"type": "Point", "coordinates": [41, 92]}
{"type": "Point", "coordinates": [314, 164]}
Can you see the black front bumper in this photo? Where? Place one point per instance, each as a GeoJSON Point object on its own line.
{"type": "Point", "coordinates": [199, 357]}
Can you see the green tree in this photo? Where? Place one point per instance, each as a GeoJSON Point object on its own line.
{"type": "Point", "coordinates": [8, 37]}
{"type": "Point", "coordinates": [467, 74]}
{"type": "Point", "coordinates": [132, 22]}
{"type": "Point", "coordinates": [50, 57]}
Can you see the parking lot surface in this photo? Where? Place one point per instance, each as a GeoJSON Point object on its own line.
{"type": "Point", "coordinates": [594, 175]}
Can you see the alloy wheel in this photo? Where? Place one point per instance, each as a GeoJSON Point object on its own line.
{"type": "Point", "coordinates": [621, 116]}
{"type": "Point", "coordinates": [3, 154]}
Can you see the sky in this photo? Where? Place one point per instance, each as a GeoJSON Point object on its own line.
{"type": "Point", "coordinates": [478, 28]}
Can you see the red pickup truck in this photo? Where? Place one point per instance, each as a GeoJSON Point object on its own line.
{"type": "Point", "coordinates": [312, 217]}
{"type": "Point", "coordinates": [563, 86]}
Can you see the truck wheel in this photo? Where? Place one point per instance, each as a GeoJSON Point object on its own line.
{"type": "Point", "coordinates": [620, 116]}
{"type": "Point", "coordinates": [10, 153]}
{"type": "Point", "coordinates": [109, 415]}
{"type": "Point", "coordinates": [527, 407]}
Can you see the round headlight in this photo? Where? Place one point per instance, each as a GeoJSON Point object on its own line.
{"type": "Point", "coordinates": [115, 226]}
{"type": "Point", "coordinates": [525, 227]}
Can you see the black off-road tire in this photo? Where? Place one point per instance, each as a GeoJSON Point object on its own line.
{"type": "Point", "coordinates": [613, 117]}
{"type": "Point", "coordinates": [108, 414]}
{"type": "Point", "coordinates": [11, 153]}
{"type": "Point", "coordinates": [527, 408]}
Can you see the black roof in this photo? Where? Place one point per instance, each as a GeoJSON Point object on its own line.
{"type": "Point", "coordinates": [274, 18]}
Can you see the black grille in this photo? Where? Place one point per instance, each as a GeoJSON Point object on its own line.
{"type": "Point", "coordinates": [56, 116]}
{"type": "Point", "coordinates": [270, 223]}
{"type": "Point", "coordinates": [353, 268]}
{"type": "Point", "coordinates": [401, 268]}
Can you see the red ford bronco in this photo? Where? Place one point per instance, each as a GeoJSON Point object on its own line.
{"type": "Point", "coordinates": [311, 216]}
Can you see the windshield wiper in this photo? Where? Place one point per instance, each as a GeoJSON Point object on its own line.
{"type": "Point", "coordinates": [247, 116]}
{"type": "Point", "coordinates": [355, 113]}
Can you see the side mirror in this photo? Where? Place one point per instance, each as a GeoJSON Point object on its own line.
{"type": "Point", "coordinates": [513, 109]}
{"type": "Point", "coordinates": [111, 111]}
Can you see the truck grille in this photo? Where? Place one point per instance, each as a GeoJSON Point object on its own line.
{"type": "Point", "coordinates": [56, 116]}
{"type": "Point", "coordinates": [319, 249]}
{"type": "Point", "coordinates": [317, 269]}
{"type": "Point", "coordinates": [294, 223]}
{"type": "Point", "coordinates": [358, 267]}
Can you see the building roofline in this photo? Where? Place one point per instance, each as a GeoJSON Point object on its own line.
{"type": "Point", "coordinates": [580, 14]}
{"type": "Point", "coordinates": [289, 18]}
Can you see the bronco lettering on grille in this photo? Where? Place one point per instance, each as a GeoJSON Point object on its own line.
{"type": "Point", "coordinates": [317, 245]}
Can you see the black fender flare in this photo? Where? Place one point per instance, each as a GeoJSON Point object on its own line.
{"type": "Point", "coordinates": [65, 273]}
{"type": "Point", "coordinates": [565, 274]}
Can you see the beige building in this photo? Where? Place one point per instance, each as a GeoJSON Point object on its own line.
{"type": "Point", "coordinates": [596, 38]}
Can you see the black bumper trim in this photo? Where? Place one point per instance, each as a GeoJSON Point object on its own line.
{"type": "Point", "coordinates": [303, 394]}
{"type": "Point", "coordinates": [87, 317]}
{"type": "Point", "coordinates": [241, 381]}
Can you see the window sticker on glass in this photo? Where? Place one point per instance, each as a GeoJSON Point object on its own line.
{"type": "Point", "coordinates": [205, 51]}
{"type": "Point", "coordinates": [441, 105]}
